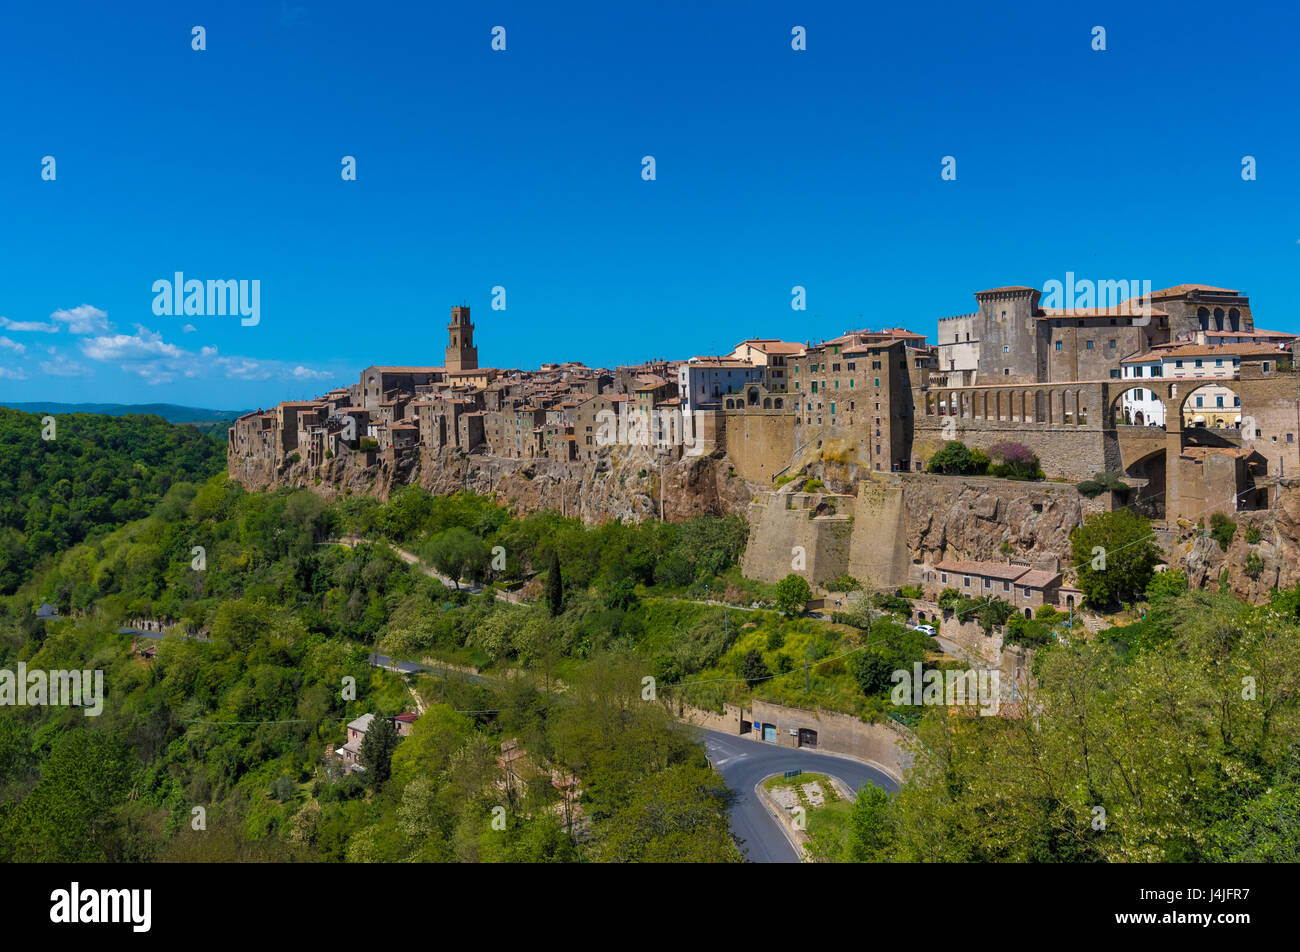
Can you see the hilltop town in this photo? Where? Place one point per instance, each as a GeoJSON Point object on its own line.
{"type": "Point", "coordinates": [826, 445]}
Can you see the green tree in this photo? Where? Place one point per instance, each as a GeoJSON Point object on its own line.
{"type": "Point", "coordinates": [871, 834]}
{"type": "Point", "coordinates": [754, 669]}
{"type": "Point", "coordinates": [792, 594]}
{"type": "Point", "coordinates": [871, 670]}
{"type": "Point", "coordinates": [1115, 555]}
{"type": "Point", "coordinates": [554, 585]}
{"type": "Point", "coordinates": [377, 748]}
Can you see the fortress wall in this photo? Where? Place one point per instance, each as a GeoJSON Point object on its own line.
{"type": "Point", "coordinates": [878, 555]}
{"type": "Point", "coordinates": [1071, 452]}
{"type": "Point", "coordinates": [775, 530]}
{"type": "Point", "coordinates": [759, 443]}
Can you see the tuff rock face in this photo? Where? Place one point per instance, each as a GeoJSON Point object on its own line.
{"type": "Point", "coordinates": [624, 483]}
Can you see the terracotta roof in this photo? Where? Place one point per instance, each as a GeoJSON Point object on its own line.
{"type": "Point", "coordinates": [998, 570]}
{"type": "Point", "coordinates": [1169, 351]}
{"type": "Point", "coordinates": [1179, 289]}
{"type": "Point", "coordinates": [770, 345]}
{"type": "Point", "coordinates": [1037, 578]}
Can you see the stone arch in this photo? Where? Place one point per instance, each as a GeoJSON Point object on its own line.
{"type": "Point", "coordinates": [779, 403]}
{"type": "Point", "coordinates": [767, 403]}
{"type": "Point", "coordinates": [1229, 413]}
{"type": "Point", "coordinates": [1218, 318]}
{"type": "Point", "coordinates": [1234, 319]}
{"type": "Point", "coordinates": [1203, 315]}
{"type": "Point", "coordinates": [752, 396]}
{"type": "Point", "coordinates": [1119, 415]}
{"type": "Point", "coordinates": [730, 404]}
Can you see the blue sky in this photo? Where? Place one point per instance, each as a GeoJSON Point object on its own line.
{"type": "Point", "coordinates": [522, 168]}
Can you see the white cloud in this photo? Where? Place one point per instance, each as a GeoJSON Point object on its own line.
{"type": "Point", "coordinates": [84, 319]}
{"type": "Point", "coordinates": [189, 328]}
{"type": "Point", "coordinates": [31, 326]}
{"type": "Point", "coordinates": [13, 345]}
{"type": "Point", "coordinates": [147, 355]}
{"type": "Point", "coordinates": [12, 373]}
{"type": "Point", "coordinates": [62, 367]}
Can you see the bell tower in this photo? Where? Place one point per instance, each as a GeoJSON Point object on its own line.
{"type": "Point", "coordinates": [461, 352]}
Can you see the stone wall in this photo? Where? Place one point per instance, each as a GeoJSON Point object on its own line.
{"type": "Point", "coordinates": [906, 519]}
{"type": "Point", "coordinates": [780, 523]}
{"type": "Point", "coordinates": [882, 745]}
{"type": "Point", "coordinates": [759, 443]}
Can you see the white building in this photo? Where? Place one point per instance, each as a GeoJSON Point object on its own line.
{"type": "Point", "coordinates": [703, 381]}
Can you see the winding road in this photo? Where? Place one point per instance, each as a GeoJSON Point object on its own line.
{"type": "Point", "coordinates": [744, 762]}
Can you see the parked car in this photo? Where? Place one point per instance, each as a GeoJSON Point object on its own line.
{"type": "Point", "coordinates": [926, 629]}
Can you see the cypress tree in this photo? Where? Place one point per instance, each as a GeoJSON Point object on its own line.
{"type": "Point", "coordinates": [554, 585]}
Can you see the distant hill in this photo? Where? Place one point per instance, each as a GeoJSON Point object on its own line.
{"type": "Point", "coordinates": [168, 411]}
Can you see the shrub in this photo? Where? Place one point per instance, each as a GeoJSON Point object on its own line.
{"type": "Point", "coordinates": [1254, 565]}
{"type": "Point", "coordinates": [813, 485]}
{"type": "Point", "coordinates": [1252, 534]}
{"type": "Point", "coordinates": [1014, 461]}
{"type": "Point", "coordinates": [910, 591]}
{"type": "Point", "coordinates": [1222, 529]}
{"type": "Point", "coordinates": [845, 583]}
{"type": "Point", "coordinates": [954, 459]}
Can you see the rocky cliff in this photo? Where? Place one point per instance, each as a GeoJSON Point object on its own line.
{"type": "Point", "coordinates": [626, 483]}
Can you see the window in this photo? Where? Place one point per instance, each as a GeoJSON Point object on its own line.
{"type": "Point", "coordinates": [943, 577]}
{"type": "Point", "coordinates": [1266, 366]}
{"type": "Point", "coordinates": [1218, 401]}
{"type": "Point", "coordinates": [850, 383]}
{"type": "Point", "coordinates": [1137, 371]}
{"type": "Point", "coordinates": [852, 367]}
{"type": "Point", "coordinates": [1114, 375]}
{"type": "Point", "coordinates": [1006, 348]}
{"type": "Point", "coordinates": [1006, 371]}
{"type": "Point", "coordinates": [988, 583]}
{"type": "Point", "coordinates": [1058, 345]}
{"type": "Point", "coordinates": [1111, 344]}
{"type": "Point", "coordinates": [965, 580]}
{"type": "Point", "coordinates": [1200, 401]}
{"type": "Point", "coordinates": [1218, 361]}
{"type": "Point", "coordinates": [1006, 586]}
{"type": "Point", "coordinates": [1088, 345]}
{"type": "Point", "coordinates": [1157, 371]}
{"type": "Point", "coordinates": [1178, 365]}
{"type": "Point", "coordinates": [878, 379]}
{"type": "Point", "coordinates": [1198, 363]}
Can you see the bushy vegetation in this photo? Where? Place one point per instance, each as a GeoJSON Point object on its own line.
{"type": "Point", "coordinates": [240, 723]}
{"type": "Point", "coordinates": [1115, 556]}
{"type": "Point", "coordinates": [1105, 482]}
{"type": "Point", "coordinates": [1222, 529]}
{"type": "Point", "coordinates": [955, 459]}
{"type": "Point", "coordinates": [1014, 461]}
{"type": "Point", "coordinates": [1156, 729]}
{"type": "Point", "coordinates": [97, 473]}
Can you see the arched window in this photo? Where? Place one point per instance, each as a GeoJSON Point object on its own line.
{"type": "Point", "coordinates": [767, 403]}
{"type": "Point", "coordinates": [780, 403]}
{"type": "Point", "coordinates": [1203, 315]}
{"type": "Point", "coordinates": [1218, 318]}
{"type": "Point", "coordinates": [1234, 319]}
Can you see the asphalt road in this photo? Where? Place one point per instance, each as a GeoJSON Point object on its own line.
{"type": "Point", "coordinates": [744, 762]}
